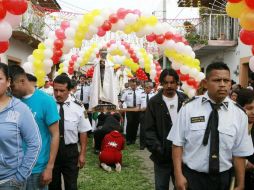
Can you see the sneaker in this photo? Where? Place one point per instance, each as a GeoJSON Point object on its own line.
{"type": "Point", "coordinates": [118, 167]}
{"type": "Point", "coordinates": [106, 167]}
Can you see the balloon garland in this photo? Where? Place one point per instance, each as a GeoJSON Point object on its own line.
{"type": "Point", "coordinates": [244, 11]}
{"type": "Point", "coordinates": [10, 18]}
{"type": "Point", "coordinates": [98, 22]}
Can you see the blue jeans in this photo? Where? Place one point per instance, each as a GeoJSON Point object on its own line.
{"type": "Point", "coordinates": [162, 174]}
{"type": "Point", "coordinates": [13, 185]}
{"type": "Point", "coordinates": [34, 183]}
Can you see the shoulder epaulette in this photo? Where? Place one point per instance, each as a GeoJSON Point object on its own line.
{"type": "Point", "coordinates": [239, 106]}
{"type": "Point", "coordinates": [190, 100]}
{"type": "Point", "coordinates": [78, 102]}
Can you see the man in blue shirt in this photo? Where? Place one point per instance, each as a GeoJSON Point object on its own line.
{"type": "Point", "coordinates": [46, 115]}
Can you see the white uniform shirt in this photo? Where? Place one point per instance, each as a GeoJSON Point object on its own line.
{"type": "Point", "coordinates": [127, 97]}
{"type": "Point", "coordinates": [143, 98]}
{"type": "Point", "coordinates": [74, 121]}
{"type": "Point", "coordinates": [86, 93]}
{"type": "Point", "coordinates": [190, 127]}
{"type": "Point", "coordinates": [172, 104]}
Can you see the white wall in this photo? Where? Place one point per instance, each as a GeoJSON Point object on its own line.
{"type": "Point", "coordinates": [17, 50]}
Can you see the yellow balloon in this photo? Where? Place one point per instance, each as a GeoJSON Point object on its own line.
{"type": "Point", "coordinates": [61, 65]}
{"type": "Point", "coordinates": [41, 46]}
{"type": "Point", "coordinates": [77, 43]}
{"type": "Point", "coordinates": [152, 20]}
{"type": "Point", "coordinates": [38, 54]}
{"type": "Point", "coordinates": [95, 12]}
{"type": "Point", "coordinates": [128, 29]}
{"type": "Point", "coordinates": [236, 9]}
{"type": "Point", "coordinates": [37, 64]}
{"type": "Point", "coordinates": [247, 20]}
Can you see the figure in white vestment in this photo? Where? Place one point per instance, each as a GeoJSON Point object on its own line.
{"type": "Point", "coordinates": [103, 86]}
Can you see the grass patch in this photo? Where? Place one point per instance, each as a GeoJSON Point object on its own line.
{"type": "Point", "coordinates": [92, 177]}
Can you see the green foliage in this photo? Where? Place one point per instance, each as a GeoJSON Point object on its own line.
{"type": "Point", "coordinates": [92, 177]}
{"type": "Point", "coordinates": [194, 39]}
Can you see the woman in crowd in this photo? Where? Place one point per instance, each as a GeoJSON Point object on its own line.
{"type": "Point", "coordinates": [17, 127]}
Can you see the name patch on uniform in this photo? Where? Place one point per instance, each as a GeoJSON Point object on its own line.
{"type": "Point", "coordinates": [198, 119]}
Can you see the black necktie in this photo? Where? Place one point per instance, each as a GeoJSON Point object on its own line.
{"type": "Point", "coordinates": [212, 126]}
{"type": "Point", "coordinates": [147, 99]}
{"type": "Point", "coordinates": [134, 99]}
{"type": "Point", "coordinates": [61, 122]}
{"type": "Point", "coordinates": [82, 93]}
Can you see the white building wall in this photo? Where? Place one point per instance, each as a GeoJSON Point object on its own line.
{"type": "Point", "coordinates": [17, 50]}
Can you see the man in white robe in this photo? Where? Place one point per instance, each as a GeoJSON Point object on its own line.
{"type": "Point", "coordinates": [103, 86]}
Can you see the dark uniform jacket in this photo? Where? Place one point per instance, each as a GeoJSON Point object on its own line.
{"type": "Point", "coordinates": [157, 126]}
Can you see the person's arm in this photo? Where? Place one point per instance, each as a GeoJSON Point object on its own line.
{"type": "Point", "coordinates": [82, 154]}
{"type": "Point", "coordinates": [180, 180]}
{"type": "Point", "coordinates": [31, 136]}
{"type": "Point", "coordinates": [239, 165]}
{"type": "Point", "coordinates": [46, 177]}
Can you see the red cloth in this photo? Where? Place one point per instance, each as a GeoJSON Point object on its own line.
{"type": "Point", "coordinates": [111, 147]}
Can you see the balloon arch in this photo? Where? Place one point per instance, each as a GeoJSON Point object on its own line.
{"type": "Point", "coordinates": [71, 34]}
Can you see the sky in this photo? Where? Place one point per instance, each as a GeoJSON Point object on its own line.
{"type": "Point", "coordinates": [145, 6]}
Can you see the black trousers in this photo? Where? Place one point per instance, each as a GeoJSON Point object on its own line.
{"type": "Point", "coordinates": [142, 130]}
{"type": "Point", "coordinates": [132, 126]}
{"type": "Point", "coordinates": [249, 180]}
{"type": "Point", "coordinates": [204, 181]}
{"type": "Point", "coordinates": [162, 175]}
{"type": "Point", "coordinates": [66, 164]}
{"type": "Point", "coordinates": [89, 114]}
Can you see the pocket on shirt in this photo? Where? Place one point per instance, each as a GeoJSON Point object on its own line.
{"type": "Point", "coordinates": [196, 134]}
{"type": "Point", "coordinates": [227, 135]}
{"type": "Point", "coordinates": [70, 124]}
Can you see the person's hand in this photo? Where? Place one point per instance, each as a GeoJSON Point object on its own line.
{"type": "Point", "coordinates": [249, 166]}
{"type": "Point", "coordinates": [180, 182]}
{"type": "Point", "coordinates": [46, 177]}
{"type": "Point", "coordinates": [81, 161]}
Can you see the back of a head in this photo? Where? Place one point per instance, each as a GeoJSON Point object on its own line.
{"type": "Point", "coordinates": [216, 66]}
{"type": "Point", "coordinates": [31, 78]}
{"type": "Point", "coordinates": [15, 71]}
{"type": "Point", "coordinates": [245, 96]}
{"type": "Point", "coordinates": [63, 79]}
{"type": "Point", "coordinates": [168, 72]}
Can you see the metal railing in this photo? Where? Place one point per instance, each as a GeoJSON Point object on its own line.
{"type": "Point", "coordinates": [218, 27]}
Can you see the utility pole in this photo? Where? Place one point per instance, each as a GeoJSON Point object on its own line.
{"type": "Point", "coordinates": [164, 20]}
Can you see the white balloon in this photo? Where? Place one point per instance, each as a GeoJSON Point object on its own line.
{"type": "Point", "coordinates": [5, 31]}
{"type": "Point", "coordinates": [93, 29]}
{"type": "Point", "coordinates": [76, 66]}
{"type": "Point", "coordinates": [98, 21]}
{"type": "Point", "coordinates": [251, 63]}
{"type": "Point", "coordinates": [48, 63]}
{"type": "Point", "coordinates": [140, 34]}
{"type": "Point", "coordinates": [130, 18]}
{"type": "Point", "coordinates": [65, 69]}
{"type": "Point", "coordinates": [184, 69]}
{"type": "Point", "coordinates": [69, 43]}
{"type": "Point", "coordinates": [79, 60]}
{"type": "Point", "coordinates": [30, 58]}
{"type": "Point", "coordinates": [191, 93]}
{"type": "Point", "coordinates": [169, 44]}
{"type": "Point", "coordinates": [193, 55]}
{"type": "Point", "coordinates": [200, 76]}
{"type": "Point", "coordinates": [105, 13]}
{"type": "Point", "coordinates": [179, 47]}
{"type": "Point", "coordinates": [48, 53]}
{"type": "Point", "coordinates": [158, 29]}
{"type": "Point", "coordinates": [27, 66]}
{"type": "Point", "coordinates": [88, 36]}
{"type": "Point", "coordinates": [13, 20]}
{"type": "Point", "coordinates": [69, 33]}
{"type": "Point", "coordinates": [52, 35]}
{"type": "Point", "coordinates": [49, 43]}
{"type": "Point", "coordinates": [193, 72]}
{"type": "Point", "coordinates": [120, 25]}
{"type": "Point", "coordinates": [74, 24]}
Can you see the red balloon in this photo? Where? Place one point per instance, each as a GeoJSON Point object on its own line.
{"type": "Point", "coordinates": [127, 46]}
{"type": "Point", "coordinates": [178, 72]}
{"type": "Point", "coordinates": [2, 11]}
{"type": "Point", "coordinates": [55, 59]}
{"type": "Point", "coordinates": [160, 39]}
{"type": "Point", "coordinates": [158, 68]}
{"type": "Point", "coordinates": [252, 49]}
{"type": "Point", "coordinates": [65, 24]}
{"type": "Point", "coordinates": [60, 34]}
{"type": "Point", "coordinates": [247, 37]}
{"type": "Point", "coordinates": [4, 46]}
{"type": "Point", "coordinates": [113, 18]}
{"type": "Point", "coordinates": [191, 81]}
{"type": "Point", "coordinates": [177, 38]}
{"type": "Point", "coordinates": [250, 3]}
{"type": "Point", "coordinates": [101, 32]}
{"type": "Point", "coordinates": [58, 43]}
{"type": "Point", "coordinates": [137, 12]}
{"type": "Point", "coordinates": [185, 41]}
{"type": "Point", "coordinates": [151, 37]}
{"type": "Point", "coordinates": [121, 13]}
{"type": "Point", "coordinates": [74, 57]}
{"type": "Point", "coordinates": [57, 53]}
{"type": "Point", "coordinates": [106, 26]}
{"type": "Point", "coordinates": [71, 63]}
{"type": "Point", "coordinates": [131, 51]}
{"type": "Point", "coordinates": [16, 7]}
{"type": "Point", "coordinates": [169, 35]}
{"type": "Point", "coordinates": [184, 77]}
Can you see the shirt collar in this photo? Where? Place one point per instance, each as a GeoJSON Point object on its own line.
{"type": "Point", "coordinates": [206, 99]}
{"type": "Point", "coordinates": [67, 101]}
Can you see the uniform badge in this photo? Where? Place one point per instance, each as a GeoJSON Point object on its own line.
{"type": "Point", "coordinates": [198, 119]}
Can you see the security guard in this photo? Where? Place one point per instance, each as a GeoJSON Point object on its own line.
{"type": "Point", "coordinates": [210, 136]}
{"type": "Point", "coordinates": [72, 125]}
{"type": "Point", "coordinates": [131, 98]}
{"type": "Point", "coordinates": [144, 99]}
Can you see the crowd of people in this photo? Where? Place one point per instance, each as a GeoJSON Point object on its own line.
{"type": "Point", "coordinates": [201, 143]}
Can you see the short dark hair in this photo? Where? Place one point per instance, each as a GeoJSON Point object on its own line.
{"type": "Point", "coordinates": [63, 79]}
{"type": "Point", "coordinates": [168, 72]}
{"type": "Point", "coordinates": [245, 96]}
{"type": "Point", "coordinates": [16, 71]}
{"type": "Point", "coordinates": [216, 66]}
{"type": "Point", "coordinates": [4, 69]}
{"type": "Point", "coordinates": [74, 83]}
{"type": "Point", "coordinates": [82, 76]}
{"type": "Point", "coordinates": [31, 78]}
